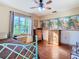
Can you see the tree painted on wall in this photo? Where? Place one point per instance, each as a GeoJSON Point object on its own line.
{"type": "Point", "coordinates": [71, 24]}
{"type": "Point", "coordinates": [67, 23]}
{"type": "Point", "coordinates": [59, 23]}
{"type": "Point", "coordinates": [50, 24]}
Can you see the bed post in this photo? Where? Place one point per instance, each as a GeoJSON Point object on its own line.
{"type": "Point", "coordinates": [36, 38]}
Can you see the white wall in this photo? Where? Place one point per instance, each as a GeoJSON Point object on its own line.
{"type": "Point", "coordinates": [69, 37]}
{"type": "Point", "coordinates": [45, 34]}
{"type": "Point", "coordinates": [4, 19]}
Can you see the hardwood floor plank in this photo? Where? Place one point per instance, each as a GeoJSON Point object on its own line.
{"type": "Point", "coordinates": [49, 51]}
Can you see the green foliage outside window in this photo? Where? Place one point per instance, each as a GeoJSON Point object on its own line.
{"type": "Point", "coordinates": [22, 25]}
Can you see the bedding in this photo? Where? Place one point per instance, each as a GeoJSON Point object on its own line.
{"type": "Point", "coordinates": [17, 51]}
{"type": "Point", "coordinates": [14, 49]}
{"type": "Point", "coordinates": [75, 52]}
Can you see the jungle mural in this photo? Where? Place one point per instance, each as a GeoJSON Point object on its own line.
{"type": "Point", "coordinates": [63, 23]}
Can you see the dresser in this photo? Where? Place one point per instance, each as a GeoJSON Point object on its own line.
{"type": "Point", "coordinates": [39, 33]}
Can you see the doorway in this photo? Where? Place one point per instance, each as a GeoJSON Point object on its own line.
{"type": "Point", "coordinates": [54, 37]}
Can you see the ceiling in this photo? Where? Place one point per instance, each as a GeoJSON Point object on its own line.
{"type": "Point", "coordinates": [58, 5]}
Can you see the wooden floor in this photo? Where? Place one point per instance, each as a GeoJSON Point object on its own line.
{"type": "Point", "coordinates": [49, 51]}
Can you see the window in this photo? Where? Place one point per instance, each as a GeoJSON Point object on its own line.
{"type": "Point", "coordinates": [22, 25]}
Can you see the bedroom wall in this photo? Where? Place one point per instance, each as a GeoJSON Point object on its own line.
{"type": "Point", "coordinates": [69, 37]}
{"type": "Point", "coordinates": [4, 19]}
{"type": "Point", "coordinates": [45, 35]}
{"type": "Point", "coordinates": [36, 21]}
{"type": "Point", "coordinates": [70, 12]}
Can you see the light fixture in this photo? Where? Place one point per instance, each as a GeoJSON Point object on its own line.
{"type": "Point", "coordinates": [41, 9]}
{"type": "Point", "coordinates": [41, 5]}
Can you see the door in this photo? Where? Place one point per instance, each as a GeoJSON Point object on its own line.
{"type": "Point", "coordinates": [53, 37]}
{"type": "Point", "coordinates": [39, 33]}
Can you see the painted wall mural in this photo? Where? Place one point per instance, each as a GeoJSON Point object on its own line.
{"type": "Point", "coordinates": [63, 23]}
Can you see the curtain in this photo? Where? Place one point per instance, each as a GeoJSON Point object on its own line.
{"type": "Point", "coordinates": [11, 23]}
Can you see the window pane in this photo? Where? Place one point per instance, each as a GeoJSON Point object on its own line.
{"type": "Point", "coordinates": [16, 22]}
{"type": "Point", "coordinates": [28, 25]}
{"type": "Point", "coordinates": [22, 25]}
{"type": "Point", "coordinates": [22, 21]}
{"type": "Point", "coordinates": [16, 25]}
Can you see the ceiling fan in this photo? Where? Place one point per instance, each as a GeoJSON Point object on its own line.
{"type": "Point", "coordinates": [41, 4]}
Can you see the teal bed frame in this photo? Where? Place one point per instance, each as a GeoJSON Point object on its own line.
{"type": "Point", "coordinates": [31, 49]}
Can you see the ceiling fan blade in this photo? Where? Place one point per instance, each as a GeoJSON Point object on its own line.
{"type": "Point", "coordinates": [49, 8]}
{"type": "Point", "coordinates": [50, 1]}
{"type": "Point", "coordinates": [33, 7]}
{"type": "Point", "coordinates": [54, 11]}
{"type": "Point", "coordinates": [36, 1]}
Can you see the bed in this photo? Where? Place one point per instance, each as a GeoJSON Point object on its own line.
{"type": "Point", "coordinates": [75, 51]}
{"type": "Point", "coordinates": [19, 51]}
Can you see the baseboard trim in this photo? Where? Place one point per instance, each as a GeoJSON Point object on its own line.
{"type": "Point", "coordinates": [66, 44]}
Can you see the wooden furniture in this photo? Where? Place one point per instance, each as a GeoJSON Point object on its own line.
{"type": "Point", "coordinates": [39, 33]}
{"type": "Point", "coordinates": [53, 37]}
